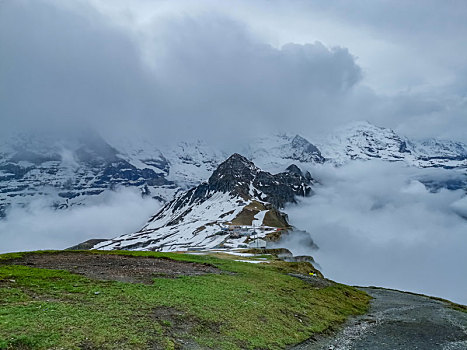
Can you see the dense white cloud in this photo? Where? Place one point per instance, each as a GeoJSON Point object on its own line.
{"type": "Point", "coordinates": [39, 226]}
{"type": "Point", "coordinates": [375, 224]}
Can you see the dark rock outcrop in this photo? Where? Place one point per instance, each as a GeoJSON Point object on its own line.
{"type": "Point", "coordinates": [240, 177]}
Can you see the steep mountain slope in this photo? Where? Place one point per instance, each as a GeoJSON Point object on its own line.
{"type": "Point", "coordinates": [274, 153]}
{"type": "Point", "coordinates": [237, 203]}
{"type": "Point", "coordinates": [70, 171]}
{"type": "Point", "coordinates": [365, 141]}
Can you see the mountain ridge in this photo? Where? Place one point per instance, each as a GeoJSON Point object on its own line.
{"type": "Point", "coordinates": [72, 171]}
{"type": "Point", "coordinates": [365, 141]}
{"type": "Point", "coordinates": [238, 201]}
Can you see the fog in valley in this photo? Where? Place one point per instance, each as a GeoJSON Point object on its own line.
{"type": "Point", "coordinates": [376, 224]}
{"type": "Point", "coordinates": [228, 73]}
{"type": "Point", "coordinates": [40, 226]}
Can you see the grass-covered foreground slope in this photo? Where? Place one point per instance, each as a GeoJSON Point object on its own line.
{"type": "Point", "coordinates": [247, 306]}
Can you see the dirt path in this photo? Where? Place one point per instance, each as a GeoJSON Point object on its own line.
{"type": "Point", "coordinates": [113, 267]}
{"type": "Point", "coordinates": [399, 321]}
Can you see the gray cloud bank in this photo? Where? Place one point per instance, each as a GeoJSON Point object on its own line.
{"type": "Point", "coordinates": [207, 75]}
{"type": "Point", "coordinates": [375, 224]}
{"type": "Point", "coordinates": [38, 226]}
{"type": "Point", "coordinates": [67, 67]}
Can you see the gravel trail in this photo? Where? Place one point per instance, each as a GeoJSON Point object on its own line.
{"type": "Point", "coordinates": [398, 321]}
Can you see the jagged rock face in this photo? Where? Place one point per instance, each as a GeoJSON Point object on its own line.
{"type": "Point", "coordinates": [240, 176]}
{"type": "Point", "coordinates": [235, 174]}
{"type": "Point", "coordinates": [282, 188]}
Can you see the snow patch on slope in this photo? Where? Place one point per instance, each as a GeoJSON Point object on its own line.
{"type": "Point", "coordinates": [197, 229]}
{"type": "Point", "coordinates": [365, 141]}
{"type": "Point", "coordinates": [275, 153]}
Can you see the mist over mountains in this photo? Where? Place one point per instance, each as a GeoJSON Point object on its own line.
{"type": "Point", "coordinates": [68, 171]}
{"type": "Point", "coordinates": [112, 113]}
{"type": "Point", "coordinates": [50, 171]}
{"type": "Point", "coordinates": [376, 224]}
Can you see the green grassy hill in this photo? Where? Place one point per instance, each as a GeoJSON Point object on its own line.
{"type": "Point", "coordinates": [240, 306]}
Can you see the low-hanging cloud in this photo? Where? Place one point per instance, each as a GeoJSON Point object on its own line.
{"type": "Point", "coordinates": [182, 72]}
{"type": "Point", "coordinates": [376, 224]}
{"type": "Point", "coordinates": [71, 65]}
{"type": "Point", "coordinates": [39, 226]}
{"type": "Point", "coordinates": [299, 241]}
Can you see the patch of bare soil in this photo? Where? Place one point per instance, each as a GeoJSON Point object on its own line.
{"type": "Point", "coordinates": [114, 267]}
{"type": "Point", "coordinates": [181, 328]}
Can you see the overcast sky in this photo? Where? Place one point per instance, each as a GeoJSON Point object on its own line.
{"type": "Point", "coordinates": [217, 70]}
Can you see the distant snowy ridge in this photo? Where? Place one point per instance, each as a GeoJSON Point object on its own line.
{"type": "Point", "coordinates": [274, 153]}
{"type": "Point", "coordinates": [70, 171]}
{"type": "Point", "coordinates": [365, 141]}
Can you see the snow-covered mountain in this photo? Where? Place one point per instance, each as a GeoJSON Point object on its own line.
{"type": "Point", "coordinates": [365, 141]}
{"type": "Point", "coordinates": [74, 170]}
{"type": "Point", "coordinates": [70, 171]}
{"type": "Point", "coordinates": [274, 153]}
{"type": "Point", "coordinates": [185, 164]}
{"type": "Point", "coordinates": [239, 202]}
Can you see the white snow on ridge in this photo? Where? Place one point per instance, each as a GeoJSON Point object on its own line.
{"type": "Point", "coordinates": [258, 219]}
{"type": "Point", "coordinates": [365, 141]}
{"type": "Point", "coordinates": [192, 162]}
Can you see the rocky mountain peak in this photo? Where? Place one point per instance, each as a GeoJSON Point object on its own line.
{"type": "Point", "coordinates": [293, 169]}
{"type": "Point", "coordinates": [304, 150]}
{"type": "Point", "coordinates": [299, 142]}
{"type": "Point", "coordinates": [235, 172]}
{"type": "Point", "coordinates": [237, 163]}
{"type": "Point", "coordinates": [241, 177]}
